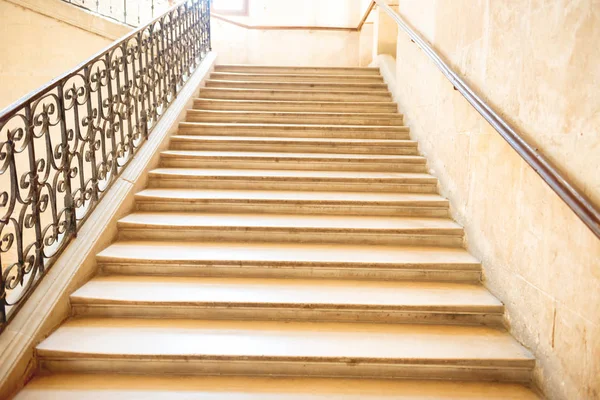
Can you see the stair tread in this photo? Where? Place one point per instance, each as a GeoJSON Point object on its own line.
{"type": "Point", "coordinates": [281, 155]}
{"type": "Point", "coordinates": [298, 102]}
{"type": "Point", "coordinates": [338, 223]}
{"type": "Point", "coordinates": [299, 113]}
{"type": "Point", "coordinates": [288, 253]}
{"type": "Point", "coordinates": [110, 387]}
{"type": "Point", "coordinates": [305, 126]}
{"type": "Point", "coordinates": [324, 293]}
{"type": "Point", "coordinates": [284, 340]}
{"type": "Point", "coordinates": [289, 195]}
{"type": "Point", "coordinates": [350, 92]}
{"type": "Point", "coordinates": [307, 174]}
{"type": "Point", "coordinates": [272, 140]}
{"type": "Point", "coordinates": [246, 67]}
{"type": "Point", "coordinates": [217, 74]}
{"type": "Point", "coordinates": [298, 83]}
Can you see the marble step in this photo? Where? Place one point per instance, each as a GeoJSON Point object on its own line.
{"type": "Point", "coordinates": [289, 260]}
{"type": "Point", "coordinates": [270, 117]}
{"type": "Point", "coordinates": [292, 161]}
{"type": "Point", "coordinates": [295, 94]}
{"type": "Point", "coordinates": [261, 227]}
{"type": "Point", "coordinates": [240, 76]}
{"type": "Point", "coordinates": [296, 106]}
{"type": "Point", "coordinates": [307, 84]}
{"type": "Point", "coordinates": [294, 130]}
{"type": "Point", "coordinates": [236, 347]}
{"type": "Point", "coordinates": [296, 180]}
{"type": "Point", "coordinates": [286, 299]}
{"type": "Point", "coordinates": [267, 69]}
{"type": "Point", "coordinates": [287, 201]}
{"type": "Point", "coordinates": [294, 145]}
{"type": "Point", "coordinates": [127, 387]}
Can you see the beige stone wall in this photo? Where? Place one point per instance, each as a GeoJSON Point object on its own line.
{"type": "Point", "coordinates": [236, 45]}
{"type": "Point", "coordinates": [538, 63]}
{"type": "Point", "coordinates": [366, 45]}
{"type": "Point", "coordinates": [36, 47]}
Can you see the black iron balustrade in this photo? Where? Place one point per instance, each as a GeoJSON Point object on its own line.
{"type": "Point", "coordinates": [62, 146]}
{"type": "Point", "coordinates": [129, 12]}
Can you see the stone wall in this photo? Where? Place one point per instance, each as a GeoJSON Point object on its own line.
{"type": "Point", "coordinates": [41, 39]}
{"type": "Point", "coordinates": [538, 63]}
{"type": "Point", "coordinates": [236, 45]}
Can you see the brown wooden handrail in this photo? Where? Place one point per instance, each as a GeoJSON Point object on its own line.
{"type": "Point", "coordinates": [575, 199]}
{"type": "Point", "coordinates": [299, 28]}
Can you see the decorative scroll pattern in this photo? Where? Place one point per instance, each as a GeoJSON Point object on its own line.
{"type": "Point", "coordinates": [63, 146]}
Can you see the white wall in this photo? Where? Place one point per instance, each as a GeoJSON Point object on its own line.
{"type": "Point", "coordinates": [292, 47]}
{"type": "Point", "coordinates": [35, 47]}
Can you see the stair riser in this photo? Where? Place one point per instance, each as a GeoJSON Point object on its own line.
{"type": "Point", "coordinates": [324, 368]}
{"type": "Point", "coordinates": [301, 165]}
{"type": "Point", "coordinates": [289, 235]}
{"type": "Point", "coordinates": [307, 84]}
{"type": "Point", "coordinates": [292, 147]}
{"type": "Point", "coordinates": [294, 96]}
{"type": "Point", "coordinates": [224, 76]}
{"type": "Point", "coordinates": [260, 184]}
{"type": "Point", "coordinates": [266, 131]}
{"type": "Point", "coordinates": [266, 312]}
{"type": "Point", "coordinates": [296, 71]}
{"type": "Point", "coordinates": [284, 208]}
{"type": "Point", "coordinates": [294, 107]}
{"type": "Point", "coordinates": [435, 272]}
{"type": "Point", "coordinates": [292, 119]}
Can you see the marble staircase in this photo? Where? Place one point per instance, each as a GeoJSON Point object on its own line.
{"type": "Point", "coordinates": [291, 245]}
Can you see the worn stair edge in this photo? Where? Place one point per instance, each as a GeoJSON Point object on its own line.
{"type": "Point", "coordinates": [307, 84]}
{"type": "Point", "coordinates": [297, 70]}
{"type": "Point", "coordinates": [300, 131]}
{"type": "Point", "coordinates": [312, 118]}
{"type": "Point", "coordinates": [280, 94]}
{"type": "Point", "coordinates": [289, 260]}
{"type": "Point", "coordinates": [291, 179]}
{"type": "Point", "coordinates": [305, 106]}
{"type": "Point", "coordinates": [286, 299]}
{"type": "Point", "coordinates": [285, 348]}
{"type": "Point", "coordinates": [294, 145]}
{"type": "Point", "coordinates": [290, 227]}
{"type": "Point", "coordinates": [211, 200]}
{"type": "Point", "coordinates": [275, 77]}
{"type": "Point", "coordinates": [109, 387]}
{"type": "Point", "coordinates": [293, 161]}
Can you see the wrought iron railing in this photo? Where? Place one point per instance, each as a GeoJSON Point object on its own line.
{"type": "Point", "coordinates": [130, 12]}
{"type": "Point", "coordinates": [62, 146]}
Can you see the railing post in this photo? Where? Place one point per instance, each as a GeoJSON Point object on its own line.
{"type": "Point", "coordinates": [208, 25]}
{"type": "Point", "coordinates": [35, 194]}
{"type": "Point", "coordinates": [70, 217]}
{"type": "Point", "coordinates": [3, 318]}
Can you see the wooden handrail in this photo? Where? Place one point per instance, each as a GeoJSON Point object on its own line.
{"type": "Point", "coordinates": [365, 15]}
{"type": "Point", "coordinates": [575, 199]}
{"type": "Point", "coordinates": [299, 28]}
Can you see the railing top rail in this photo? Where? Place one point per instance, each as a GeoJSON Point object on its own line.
{"type": "Point", "coordinates": [575, 199]}
{"type": "Point", "coordinates": [7, 111]}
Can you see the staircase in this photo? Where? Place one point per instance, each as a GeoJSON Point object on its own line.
{"type": "Point", "coordinates": [290, 242]}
